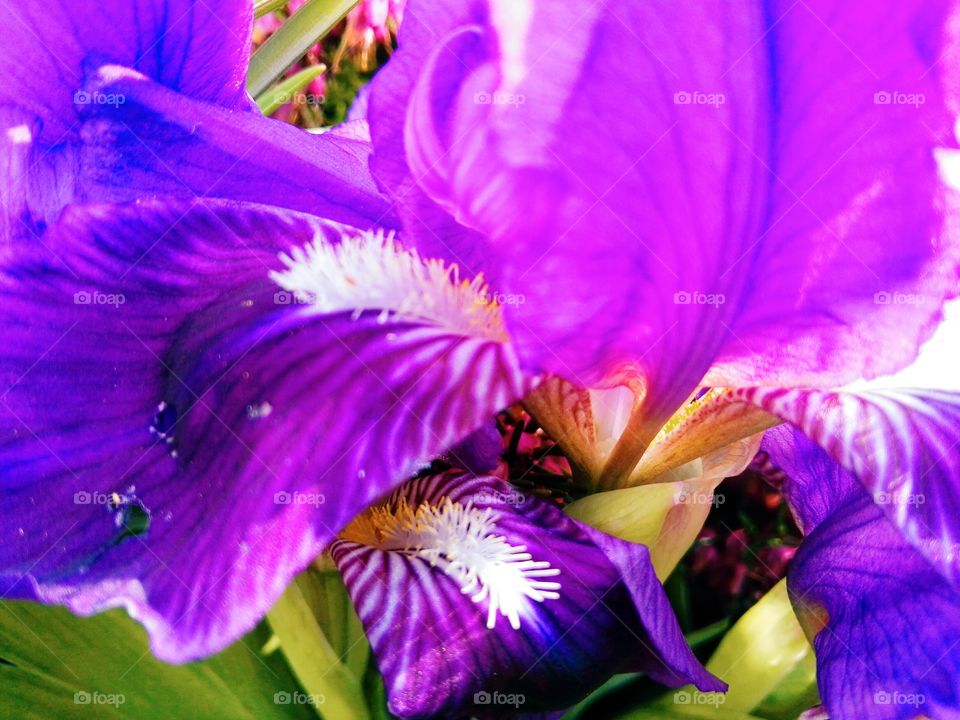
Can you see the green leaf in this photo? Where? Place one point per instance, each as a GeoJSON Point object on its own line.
{"type": "Point", "coordinates": [335, 690]}
{"type": "Point", "coordinates": [325, 593]}
{"type": "Point", "coordinates": [283, 92]}
{"type": "Point", "coordinates": [291, 42]}
{"type": "Point", "coordinates": [262, 7]}
{"type": "Point", "coordinates": [762, 651]}
{"type": "Point", "coordinates": [53, 663]}
{"type": "Point", "coordinates": [684, 712]}
{"type": "Point", "coordinates": [708, 634]}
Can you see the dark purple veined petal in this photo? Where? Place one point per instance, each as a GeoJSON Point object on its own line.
{"type": "Point", "coordinates": [115, 101]}
{"type": "Point", "coordinates": [180, 434]}
{"type": "Point", "coordinates": [901, 445]}
{"type": "Point", "coordinates": [161, 143]}
{"type": "Point", "coordinates": [479, 452]}
{"type": "Point", "coordinates": [884, 622]}
{"type": "Point", "coordinates": [725, 199]}
{"type": "Point", "coordinates": [198, 49]}
{"type": "Point", "coordinates": [473, 593]}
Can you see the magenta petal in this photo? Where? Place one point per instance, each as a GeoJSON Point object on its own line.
{"type": "Point", "coordinates": [157, 370]}
{"type": "Point", "coordinates": [902, 447]}
{"type": "Point", "coordinates": [431, 631]}
{"type": "Point", "coordinates": [857, 251]}
{"type": "Point", "coordinates": [727, 198]}
{"type": "Point", "coordinates": [885, 622]}
{"type": "Point", "coordinates": [428, 222]}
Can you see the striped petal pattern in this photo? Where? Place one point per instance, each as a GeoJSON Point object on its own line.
{"type": "Point", "coordinates": [431, 631]}
{"type": "Point", "coordinates": [902, 445]}
{"type": "Point", "coordinates": [179, 435]}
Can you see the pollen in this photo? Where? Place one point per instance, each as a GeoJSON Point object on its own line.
{"type": "Point", "coordinates": [461, 541]}
{"type": "Point", "coordinates": [373, 272]}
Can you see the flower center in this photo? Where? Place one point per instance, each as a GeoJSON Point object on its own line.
{"type": "Point", "coordinates": [460, 541]}
{"type": "Point", "coordinates": [371, 271]}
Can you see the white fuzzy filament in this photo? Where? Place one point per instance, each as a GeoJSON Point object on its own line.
{"type": "Point", "coordinates": [372, 272]}
{"type": "Point", "coordinates": [460, 540]}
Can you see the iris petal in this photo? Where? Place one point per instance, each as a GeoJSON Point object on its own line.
{"type": "Point", "coordinates": [198, 49]}
{"type": "Point", "coordinates": [159, 142]}
{"type": "Point", "coordinates": [884, 622]}
{"type": "Point", "coordinates": [114, 101]}
{"type": "Point", "coordinates": [735, 204]}
{"type": "Point", "coordinates": [179, 435]}
{"type": "Point", "coordinates": [902, 447]}
{"type": "Point", "coordinates": [430, 630]}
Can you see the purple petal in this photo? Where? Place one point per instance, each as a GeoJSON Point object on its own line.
{"type": "Point", "coordinates": [440, 642]}
{"type": "Point", "coordinates": [427, 220]}
{"type": "Point", "coordinates": [857, 250]}
{"type": "Point", "coordinates": [159, 361]}
{"type": "Point", "coordinates": [161, 143]}
{"type": "Point", "coordinates": [197, 48]}
{"type": "Point", "coordinates": [884, 621]}
{"type": "Point", "coordinates": [160, 110]}
{"type": "Point", "coordinates": [734, 202]}
{"type": "Point", "coordinates": [479, 452]}
{"type": "Point", "coordinates": [902, 447]}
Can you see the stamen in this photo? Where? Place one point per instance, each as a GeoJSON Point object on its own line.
{"type": "Point", "coordinates": [371, 271]}
{"type": "Point", "coordinates": [685, 412]}
{"type": "Point", "coordinates": [460, 540]}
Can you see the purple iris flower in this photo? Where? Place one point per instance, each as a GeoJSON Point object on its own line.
{"type": "Point", "coordinates": [218, 354]}
{"type": "Point", "coordinates": [747, 196]}
{"type": "Point", "coordinates": [203, 393]}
